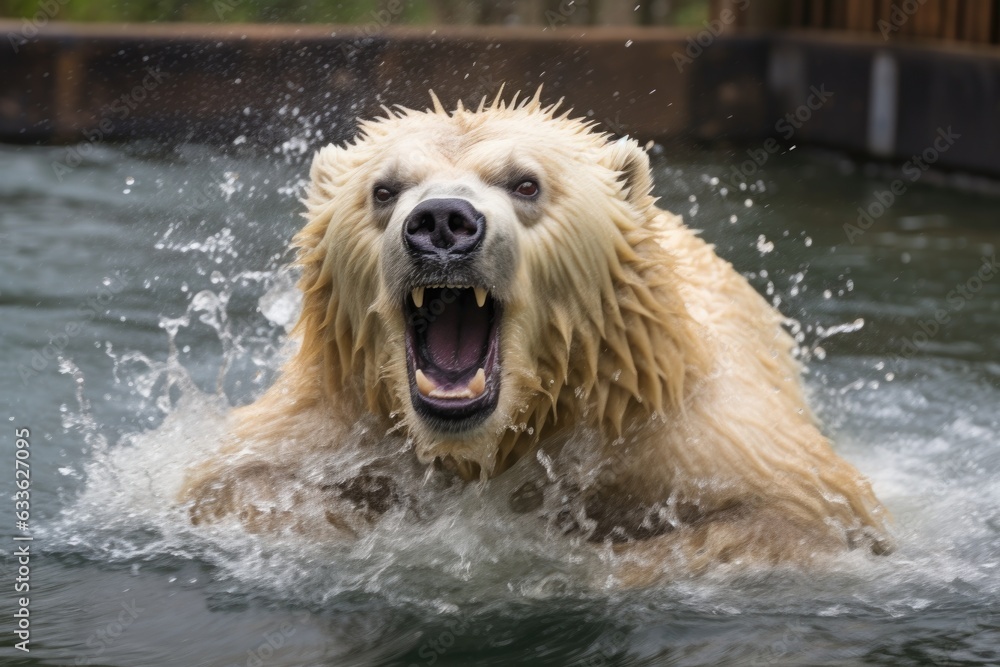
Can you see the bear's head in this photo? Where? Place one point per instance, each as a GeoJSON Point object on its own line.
{"type": "Point", "coordinates": [484, 277]}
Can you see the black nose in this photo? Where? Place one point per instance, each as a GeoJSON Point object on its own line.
{"type": "Point", "coordinates": [444, 227]}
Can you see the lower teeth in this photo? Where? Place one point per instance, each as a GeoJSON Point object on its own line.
{"type": "Point", "coordinates": [427, 387]}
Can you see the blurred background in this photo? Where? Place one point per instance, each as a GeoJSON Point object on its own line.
{"type": "Point", "coordinates": [686, 70]}
{"type": "Point", "coordinates": [844, 155]}
{"type": "Point", "coordinates": [480, 12]}
{"type": "Point", "coordinates": [976, 21]}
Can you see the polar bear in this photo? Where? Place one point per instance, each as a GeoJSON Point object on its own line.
{"type": "Point", "coordinates": [488, 284]}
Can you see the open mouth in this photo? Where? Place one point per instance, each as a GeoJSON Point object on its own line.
{"type": "Point", "coordinates": [453, 354]}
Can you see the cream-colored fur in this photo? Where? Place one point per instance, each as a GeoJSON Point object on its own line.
{"type": "Point", "coordinates": [617, 319]}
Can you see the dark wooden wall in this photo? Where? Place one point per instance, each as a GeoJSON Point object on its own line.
{"type": "Point", "coordinates": [71, 83]}
{"type": "Point", "coordinates": [968, 21]}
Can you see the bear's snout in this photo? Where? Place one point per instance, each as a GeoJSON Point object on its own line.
{"type": "Point", "coordinates": [442, 227]}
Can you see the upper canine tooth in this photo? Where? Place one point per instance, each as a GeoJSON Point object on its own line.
{"type": "Point", "coordinates": [480, 296]}
{"type": "Point", "coordinates": [424, 384]}
{"type": "Point", "coordinates": [478, 384]}
{"type": "Point", "coordinates": [418, 297]}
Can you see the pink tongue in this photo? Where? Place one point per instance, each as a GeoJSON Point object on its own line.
{"type": "Point", "coordinates": [458, 337]}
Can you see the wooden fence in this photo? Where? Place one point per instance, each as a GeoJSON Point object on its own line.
{"type": "Point", "coordinates": [969, 21]}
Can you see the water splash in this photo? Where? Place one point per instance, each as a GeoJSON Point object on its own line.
{"type": "Point", "coordinates": [466, 547]}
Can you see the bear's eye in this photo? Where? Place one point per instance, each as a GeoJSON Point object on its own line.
{"type": "Point", "coordinates": [382, 194]}
{"type": "Point", "coordinates": [527, 189]}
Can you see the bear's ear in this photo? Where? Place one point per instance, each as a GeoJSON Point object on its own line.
{"type": "Point", "coordinates": [626, 156]}
{"type": "Point", "coordinates": [326, 164]}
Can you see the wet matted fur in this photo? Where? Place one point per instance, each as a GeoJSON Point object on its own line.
{"type": "Point", "coordinates": [616, 320]}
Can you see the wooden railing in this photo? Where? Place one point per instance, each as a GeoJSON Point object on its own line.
{"type": "Point", "coordinates": [969, 21]}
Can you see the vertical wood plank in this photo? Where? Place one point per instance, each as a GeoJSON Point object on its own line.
{"type": "Point", "coordinates": [817, 14]}
{"type": "Point", "coordinates": [949, 28]}
{"type": "Point", "coordinates": [797, 16]}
